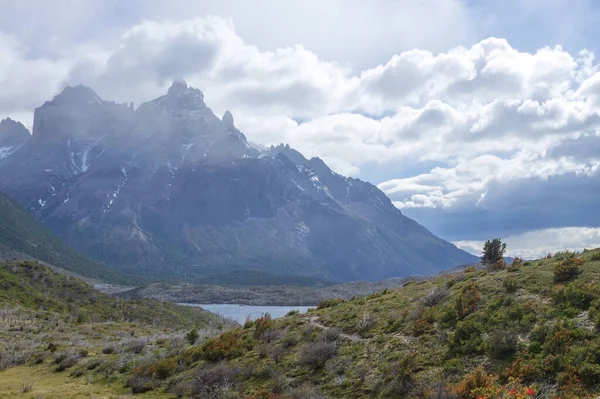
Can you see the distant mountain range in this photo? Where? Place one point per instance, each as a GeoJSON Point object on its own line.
{"type": "Point", "coordinates": [171, 190]}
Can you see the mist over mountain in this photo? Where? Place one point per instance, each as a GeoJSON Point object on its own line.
{"type": "Point", "coordinates": [171, 190]}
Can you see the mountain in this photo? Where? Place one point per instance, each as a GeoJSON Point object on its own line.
{"type": "Point", "coordinates": [23, 237]}
{"type": "Point", "coordinates": [12, 137]}
{"type": "Point", "coordinates": [172, 190]}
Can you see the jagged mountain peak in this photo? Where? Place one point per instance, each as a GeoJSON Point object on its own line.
{"type": "Point", "coordinates": [179, 97]}
{"type": "Point", "coordinates": [13, 135]}
{"type": "Point", "coordinates": [78, 94]}
{"type": "Point", "coordinates": [13, 127]}
{"type": "Point", "coordinates": [227, 119]}
{"type": "Point", "coordinates": [173, 190]}
{"type": "Point", "coordinates": [177, 87]}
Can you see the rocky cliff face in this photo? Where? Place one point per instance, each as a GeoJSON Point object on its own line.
{"type": "Point", "coordinates": [13, 135]}
{"type": "Point", "coordinates": [170, 189]}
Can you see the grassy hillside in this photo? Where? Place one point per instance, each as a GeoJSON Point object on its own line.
{"type": "Point", "coordinates": [527, 330]}
{"type": "Point", "coordinates": [55, 329]}
{"type": "Point", "coordinates": [22, 233]}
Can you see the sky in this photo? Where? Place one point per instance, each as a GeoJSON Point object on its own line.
{"type": "Point", "coordinates": [478, 118]}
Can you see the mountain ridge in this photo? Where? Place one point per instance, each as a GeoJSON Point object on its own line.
{"type": "Point", "coordinates": [169, 189]}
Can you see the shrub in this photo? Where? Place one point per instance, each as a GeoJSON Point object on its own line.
{"type": "Point", "coordinates": [366, 323]}
{"type": "Point", "coordinates": [477, 379]}
{"type": "Point", "coordinates": [497, 266]}
{"type": "Point", "coordinates": [470, 269]}
{"type": "Point", "coordinates": [163, 369]}
{"type": "Point", "coordinates": [468, 300]}
{"type": "Point", "coordinates": [192, 336]}
{"type": "Point", "coordinates": [329, 303]}
{"type": "Point", "coordinates": [315, 355]}
{"type": "Point", "coordinates": [510, 284]}
{"type": "Point", "coordinates": [454, 366]}
{"type": "Point", "coordinates": [577, 294]}
{"type": "Point", "coordinates": [210, 381]}
{"type": "Point", "coordinates": [595, 257]}
{"type": "Point", "coordinates": [436, 296]}
{"type": "Point", "coordinates": [330, 334]}
{"type": "Point", "coordinates": [292, 312]}
{"type": "Point", "coordinates": [568, 269]}
{"type": "Point", "coordinates": [134, 345]}
{"type": "Point", "coordinates": [227, 345]}
{"type": "Point", "coordinates": [68, 362]}
{"type": "Point", "coordinates": [140, 383]}
{"type": "Point", "coordinates": [306, 391]}
{"type": "Point", "coordinates": [262, 325]}
{"type": "Point", "coordinates": [501, 343]}
{"type": "Point", "coordinates": [290, 340]}
{"type": "Point", "coordinates": [466, 339]}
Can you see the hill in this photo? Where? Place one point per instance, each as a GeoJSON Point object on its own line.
{"type": "Point", "coordinates": [50, 323]}
{"type": "Point", "coordinates": [22, 237]}
{"type": "Point", "coordinates": [172, 190]}
{"type": "Point", "coordinates": [527, 330]}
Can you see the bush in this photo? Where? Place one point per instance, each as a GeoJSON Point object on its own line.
{"type": "Point", "coordinates": [315, 355]}
{"type": "Point", "coordinates": [577, 294]}
{"type": "Point", "coordinates": [192, 336]}
{"type": "Point", "coordinates": [290, 340]}
{"type": "Point", "coordinates": [454, 366]}
{"type": "Point", "coordinates": [228, 345]}
{"type": "Point", "coordinates": [262, 325]}
{"type": "Point", "coordinates": [477, 379]}
{"type": "Point", "coordinates": [595, 257]}
{"type": "Point", "coordinates": [436, 296]}
{"type": "Point", "coordinates": [501, 343]}
{"type": "Point", "coordinates": [330, 334]}
{"type": "Point", "coordinates": [366, 323]}
{"type": "Point", "coordinates": [468, 300]}
{"type": "Point", "coordinates": [68, 362]}
{"type": "Point", "coordinates": [568, 269]}
{"type": "Point", "coordinates": [210, 381]}
{"type": "Point", "coordinates": [497, 266]}
{"type": "Point", "coordinates": [140, 383]}
{"type": "Point", "coordinates": [467, 338]}
{"type": "Point", "coordinates": [510, 284]}
{"type": "Point", "coordinates": [134, 345]}
{"type": "Point", "coordinates": [329, 303]}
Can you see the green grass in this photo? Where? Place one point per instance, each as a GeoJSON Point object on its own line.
{"type": "Point", "coordinates": [32, 286]}
{"type": "Point", "coordinates": [468, 334]}
{"type": "Point", "coordinates": [21, 232]}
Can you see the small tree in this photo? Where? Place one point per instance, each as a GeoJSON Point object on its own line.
{"type": "Point", "coordinates": [493, 251]}
{"type": "Point", "coordinates": [192, 336]}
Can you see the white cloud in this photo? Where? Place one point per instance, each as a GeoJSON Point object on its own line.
{"type": "Point", "coordinates": [470, 121]}
{"type": "Point", "coordinates": [537, 244]}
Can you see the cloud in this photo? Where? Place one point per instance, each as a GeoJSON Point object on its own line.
{"type": "Point", "coordinates": [493, 134]}
{"type": "Point", "coordinates": [537, 244]}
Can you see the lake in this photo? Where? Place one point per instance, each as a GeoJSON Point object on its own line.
{"type": "Point", "coordinates": [241, 313]}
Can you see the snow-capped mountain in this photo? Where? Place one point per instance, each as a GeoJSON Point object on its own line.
{"type": "Point", "coordinates": [170, 189]}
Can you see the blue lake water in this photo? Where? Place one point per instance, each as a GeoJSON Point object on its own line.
{"type": "Point", "coordinates": [241, 313]}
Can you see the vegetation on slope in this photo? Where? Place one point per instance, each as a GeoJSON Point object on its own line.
{"type": "Point", "coordinates": [54, 329]}
{"type": "Point", "coordinates": [526, 330]}
{"type": "Point", "coordinates": [22, 233]}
